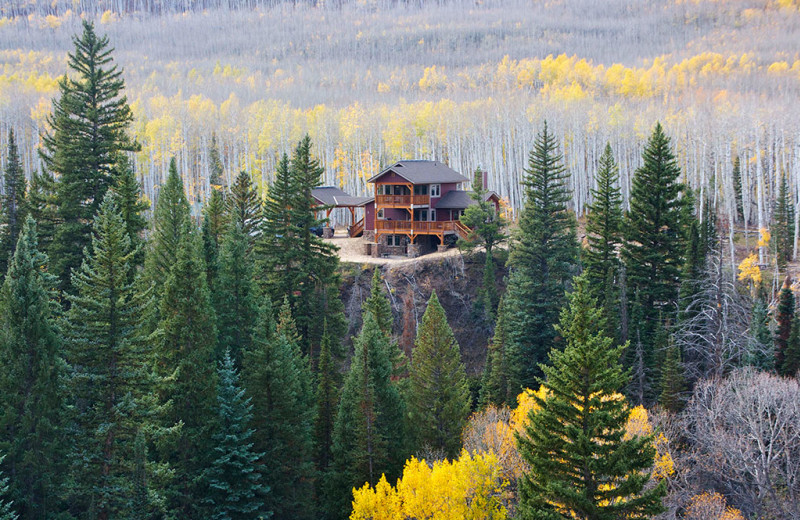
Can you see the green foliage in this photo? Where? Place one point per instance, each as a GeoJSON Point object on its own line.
{"type": "Point", "coordinates": [543, 260]}
{"type": "Point", "coordinates": [243, 206]}
{"type": "Point", "coordinates": [294, 262]}
{"type": "Point", "coordinates": [140, 503]}
{"type": "Point", "coordinates": [785, 318]}
{"type": "Point", "coordinates": [438, 394]}
{"type": "Point", "coordinates": [234, 297]}
{"type": "Point", "coordinates": [131, 205]}
{"type": "Point", "coordinates": [171, 224]}
{"type": "Point", "coordinates": [327, 400]}
{"type": "Point", "coordinates": [378, 304]}
{"type": "Point", "coordinates": [6, 512]}
{"type": "Point", "coordinates": [112, 383]}
{"type": "Point", "coordinates": [760, 349]}
{"type": "Point", "coordinates": [216, 170]}
{"type": "Point", "coordinates": [89, 132]}
{"type": "Point", "coordinates": [673, 381]}
{"type": "Point", "coordinates": [737, 188]}
{"type": "Point", "coordinates": [495, 383]}
{"type": "Point", "coordinates": [13, 206]}
{"type": "Point", "coordinates": [32, 422]}
{"type": "Point", "coordinates": [783, 226]}
{"type": "Point", "coordinates": [42, 207]}
{"type": "Point", "coordinates": [278, 380]}
{"type": "Point", "coordinates": [186, 356]}
{"type": "Point", "coordinates": [215, 224]}
{"type": "Point", "coordinates": [234, 477]}
{"type": "Point", "coordinates": [368, 437]}
{"type": "Point", "coordinates": [581, 464]}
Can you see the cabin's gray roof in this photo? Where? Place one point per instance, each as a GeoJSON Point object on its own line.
{"type": "Point", "coordinates": [459, 199]}
{"type": "Point", "coordinates": [333, 196]}
{"type": "Point", "coordinates": [423, 172]}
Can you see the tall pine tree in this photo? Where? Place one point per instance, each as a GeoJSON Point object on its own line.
{"type": "Point", "coordinates": [216, 174]}
{"type": "Point", "coordinates": [737, 188]}
{"type": "Point", "coordinates": [6, 511]}
{"type": "Point", "coordinates": [13, 207]}
{"type": "Point", "coordinates": [236, 491]}
{"type": "Point", "coordinates": [42, 207]}
{"type": "Point", "coordinates": [89, 126]}
{"type": "Point", "coordinates": [785, 319]}
{"type": "Point", "coordinates": [327, 400]}
{"type": "Point", "coordinates": [495, 381]}
{"type": "Point", "coordinates": [543, 259]}
{"type": "Point", "coordinates": [581, 463]}
{"type": "Point", "coordinates": [112, 383]}
{"type": "Point", "coordinates": [438, 394]}
{"type": "Point", "coordinates": [32, 382]}
{"type": "Point", "coordinates": [215, 224]}
{"type": "Point", "coordinates": [243, 206]}
{"type": "Point", "coordinates": [132, 206]}
{"type": "Point", "coordinates": [783, 225]}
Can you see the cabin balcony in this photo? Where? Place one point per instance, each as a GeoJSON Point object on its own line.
{"type": "Point", "coordinates": [415, 227]}
{"type": "Point", "coordinates": [402, 201]}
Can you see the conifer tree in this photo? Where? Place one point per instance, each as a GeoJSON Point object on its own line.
{"type": "Point", "coordinates": [112, 383]}
{"type": "Point", "coordinates": [42, 207]}
{"type": "Point", "coordinates": [784, 225]}
{"type": "Point", "coordinates": [673, 382]}
{"type": "Point", "coordinates": [327, 399]}
{"type": "Point", "coordinates": [438, 395]}
{"type": "Point", "coordinates": [791, 359]}
{"type": "Point", "coordinates": [235, 298]}
{"type": "Point", "coordinates": [131, 205]}
{"type": "Point", "coordinates": [737, 188]}
{"type": "Point", "coordinates": [89, 132]}
{"type": "Point", "coordinates": [368, 436]}
{"type": "Point", "coordinates": [543, 260]}
{"type": "Point", "coordinates": [217, 171]}
{"type": "Point", "coordinates": [32, 381]}
{"type": "Point", "coordinates": [378, 304]}
{"type": "Point", "coordinates": [215, 224]}
{"type": "Point", "coordinates": [243, 206]}
{"type": "Point", "coordinates": [494, 385]}
{"type": "Point", "coordinates": [6, 511]}
{"type": "Point", "coordinates": [13, 206]}
{"type": "Point", "coordinates": [785, 319]}
{"type": "Point", "coordinates": [655, 240]}
{"type": "Point", "coordinates": [761, 351]}
{"type": "Point", "coordinates": [171, 224]}
{"type": "Point", "coordinates": [187, 354]}
{"type": "Point", "coordinates": [604, 229]}
{"type": "Point", "coordinates": [279, 382]}
{"type": "Point", "coordinates": [140, 503]}
{"type": "Point", "coordinates": [236, 491]}
{"type": "Point", "coordinates": [581, 463]}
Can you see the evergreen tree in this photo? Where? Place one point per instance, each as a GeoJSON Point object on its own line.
{"type": "Point", "coordinates": [785, 319]}
{"type": "Point", "coordinates": [655, 240]}
{"type": "Point", "coordinates": [13, 207]}
{"type": "Point", "coordinates": [604, 233]}
{"type": "Point", "coordinates": [327, 399]}
{"type": "Point", "coordinates": [89, 132]}
{"type": "Point", "coordinates": [581, 463]}
{"type": "Point", "coordinates": [378, 304]}
{"type": "Point", "coordinates": [187, 354]}
{"type": "Point", "coordinates": [236, 491]}
{"type": "Point", "coordinates": [673, 382]}
{"type": "Point", "coordinates": [171, 224]}
{"type": "Point", "coordinates": [132, 206]}
{"type": "Point", "coordinates": [495, 384]}
{"type": "Point", "coordinates": [215, 224]}
{"type": "Point", "coordinates": [279, 381]}
{"type": "Point", "coordinates": [368, 436]}
{"type": "Point", "coordinates": [294, 261]}
{"type": "Point", "coordinates": [243, 206]}
{"type": "Point", "coordinates": [737, 188]}
{"type": "Point", "coordinates": [784, 225]}
{"type": "Point", "coordinates": [32, 426]}
{"type": "Point", "coordinates": [42, 207]}
{"type": "Point", "coordinates": [543, 260]}
{"type": "Point", "coordinates": [791, 359]}
{"type": "Point", "coordinates": [216, 170]}
{"type": "Point", "coordinates": [438, 395]}
{"type": "Point", "coordinates": [234, 297]}
{"type": "Point", "coordinates": [761, 351]}
{"type": "Point", "coordinates": [6, 512]}
{"type": "Point", "coordinates": [112, 382]}
{"type": "Point", "coordinates": [140, 504]}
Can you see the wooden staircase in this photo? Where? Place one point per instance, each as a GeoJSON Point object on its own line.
{"type": "Point", "coordinates": [357, 229]}
{"type": "Point", "coordinates": [462, 230]}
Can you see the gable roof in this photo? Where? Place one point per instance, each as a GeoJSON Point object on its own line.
{"type": "Point", "coordinates": [460, 199]}
{"type": "Point", "coordinates": [423, 172]}
{"type": "Point", "coordinates": [333, 196]}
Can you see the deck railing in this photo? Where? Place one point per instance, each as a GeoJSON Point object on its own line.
{"type": "Point", "coordinates": [402, 200]}
{"type": "Point", "coordinates": [441, 226]}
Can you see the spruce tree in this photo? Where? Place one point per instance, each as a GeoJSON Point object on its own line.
{"type": "Point", "coordinates": [215, 224]}
{"type": "Point", "coordinates": [236, 491]}
{"type": "Point", "coordinates": [783, 225]}
{"type": "Point", "coordinates": [278, 379]}
{"type": "Point", "coordinates": [327, 400]}
{"type": "Point", "coordinates": [495, 383]}
{"type": "Point", "coordinates": [140, 502]}
{"type": "Point", "coordinates": [604, 230]}
{"type": "Point", "coordinates": [791, 358]}
{"type": "Point", "coordinates": [6, 511]}
{"type": "Point", "coordinates": [89, 132]}
{"type": "Point", "coordinates": [234, 297]}
{"type": "Point", "coordinates": [655, 240]}
{"type": "Point", "coordinates": [785, 319]}
{"type": "Point", "coordinates": [216, 170]}
{"type": "Point", "coordinates": [243, 206]}
{"type": "Point", "coordinates": [368, 436]}
{"type": "Point", "coordinates": [438, 394]}
{"type": "Point", "coordinates": [737, 188]}
{"type": "Point", "coordinates": [112, 382]}
{"type": "Point", "coordinates": [32, 382]}
{"type": "Point", "coordinates": [761, 350]}
{"type": "Point", "coordinates": [42, 207]}
{"type": "Point", "coordinates": [543, 259]}
{"type": "Point", "coordinates": [171, 224]}
{"type": "Point", "coordinates": [186, 356]}
{"type": "Point", "coordinates": [581, 463]}
{"type": "Point", "coordinates": [673, 381]}
{"type": "Point", "coordinates": [132, 206]}
{"type": "Point", "coordinates": [378, 304]}
{"type": "Point", "coordinates": [13, 207]}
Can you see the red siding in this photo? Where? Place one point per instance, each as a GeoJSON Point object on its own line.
{"type": "Point", "coordinates": [369, 216]}
{"type": "Point", "coordinates": [395, 214]}
{"type": "Point", "coordinates": [391, 178]}
{"type": "Point", "coordinates": [445, 188]}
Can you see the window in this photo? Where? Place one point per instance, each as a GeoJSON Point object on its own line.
{"type": "Point", "coordinates": [461, 212]}
{"type": "Point", "coordinates": [436, 190]}
{"type": "Point", "coordinates": [422, 215]}
{"type": "Point", "coordinates": [380, 214]}
{"type": "Point", "coordinates": [433, 215]}
{"type": "Point", "coordinates": [395, 240]}
{"type": "Point", "coordinates": [421, 189]}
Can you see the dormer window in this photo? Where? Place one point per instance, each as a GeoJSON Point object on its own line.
{"type": "Point", "coordinates": [436, 190]}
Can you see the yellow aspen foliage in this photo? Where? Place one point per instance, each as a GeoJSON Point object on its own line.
{"type": "Point", "coordinates": [764, 236]}
{"type": "Point", "coordinates": [639, 424]}
{"type": "Point", "coordinates": [749, 270]}
{"type": "Point", "coordinates": [470, 487]}
{"type": "Point", "coordinates": [711, 506]}
{"type": "Point", "coordinates": [433, 79]}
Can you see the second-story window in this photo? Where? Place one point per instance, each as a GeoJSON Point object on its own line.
{"type": "Point", "coordinates": [436, 190]}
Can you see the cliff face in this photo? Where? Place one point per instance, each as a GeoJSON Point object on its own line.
{"type": "Point", "coordinates": [456, 280]}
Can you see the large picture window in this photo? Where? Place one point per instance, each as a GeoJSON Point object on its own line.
{"type": "Point", "coordinates": [436, 190]}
